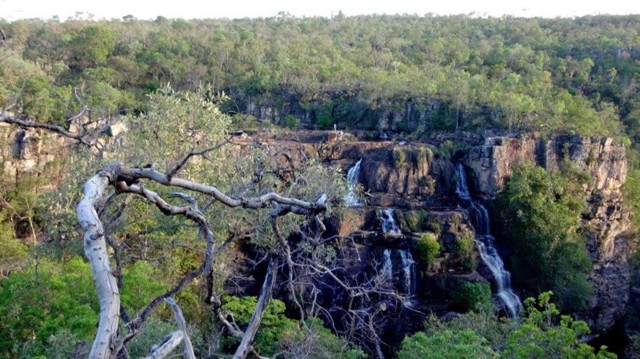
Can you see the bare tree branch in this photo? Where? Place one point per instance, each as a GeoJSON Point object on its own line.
{"type": "Point", "coordinates": [95, 249]}
{"type": "Point", "coordinates": [30, 123]}
{"type": "Point", "coordinates": [167, 346]}
{"type": "Point", "coordinates": [177, 313]}
{"type": "Point", "coordinates": [194, 153]}
{"type": "Point", "coordinates": [265, 295]}
{"type": "Point", "coordinates": [125, 180]}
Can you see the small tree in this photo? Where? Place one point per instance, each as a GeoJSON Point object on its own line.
{"type": "Point", "coordinates": [428, 248]}
{"type": "Point", "coordinates": [547, 334]}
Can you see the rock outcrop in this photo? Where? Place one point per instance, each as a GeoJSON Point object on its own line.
{"type": "Point", "coordinates": [418, 182]}
{"type": "Point", "coordinates": [25, 152]}
{"type": "Point", "coordinates": [606, 221]}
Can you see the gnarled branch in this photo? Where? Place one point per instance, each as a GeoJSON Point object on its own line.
{"type": "Point", "coordinates": [114, 174]}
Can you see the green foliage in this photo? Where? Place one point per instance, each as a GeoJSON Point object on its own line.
{"type": "Point", "coordinates": [291, 121]}
{"type": "Point", "coordinates": [446, 149]}
{"type": "Point", "coordinates": [140, 285]}
{"type": "Point", "coordinates": [157, 135]}
{"type": "Point", "coordinates": [515, 74]}
{"type": "Point", "coordinates": [42, 100]}
{"type": "Point", "coordinates": [63, 344]}
{"type": "Point", "coordinates": [545, 334]}
{"type": "Point", "coordinates": [428, 248]}
{"type": "Point", "coordinates": [631, 187]}
{"type": "Point", "coordinates": [472, 296]}
{"type": "Point", "coordinates": [275, 328]}
{"type": "Point", "coordinates": [541, 214]}
{"type": "Point", "coordinates": [341, 71]}
{"type": "Point", "coordinates": [38, 302]}
{"type": "Point", "coordinates": [411, 220]}
{"type": "Point", "coordinates": [13, 252]}
{"type": "Point", "coordinates": [463, 250]}
{"type": "Point", "coordinates": [432, 226]}
{"type": "Point", "coordinates": [464, 344]}
{"type": "Point", "coordinates": [314, 341]}
{"type": "Point", "coordinates": [485, 324]}
{"type": "Point", "coordinates": [92, 46]}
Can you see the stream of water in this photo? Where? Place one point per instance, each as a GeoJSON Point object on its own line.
{"type": "Point", "coordinates": [351, 198]}
{"type": "Point", "coordinates": [485, 244]}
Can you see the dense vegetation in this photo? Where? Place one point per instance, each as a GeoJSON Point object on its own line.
{"type": "Point", "coordinates": [543, 333]}
{"type": "Point", "coordinates": [543, 74]}
{"type": "Point", "coordinates": [541, 212]}
{"type": "Point", "coordinates": [408, 74]}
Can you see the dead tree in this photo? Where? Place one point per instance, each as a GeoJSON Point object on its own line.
{"type": "Point", "coordinates": [131, 180]}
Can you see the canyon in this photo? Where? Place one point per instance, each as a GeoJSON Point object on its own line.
{"type": "Point", "coordinates": [400, 190]}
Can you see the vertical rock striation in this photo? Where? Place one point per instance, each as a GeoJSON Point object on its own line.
{"type": "Point", "coordinates": [606, 220]}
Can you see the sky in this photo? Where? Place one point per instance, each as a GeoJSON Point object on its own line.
{"type": "Point", "coordinates": [100, 9]}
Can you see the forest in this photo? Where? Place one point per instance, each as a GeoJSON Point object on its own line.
{"type": "Point", "coordinates": [178, 206]}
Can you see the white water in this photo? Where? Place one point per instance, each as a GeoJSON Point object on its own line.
{"type": "Point", "coordinates": [351, 198]}
{"type": "Point", "coordinates": [407, 286]}
{"type": "Point", "coordinates": [484, 241]}
{"type": "Point", "coordinates": [389, 226]}
{"type": "Point", "coordinates": [387, 265]}
{"type": "Point", "coordinates": [408, 270]}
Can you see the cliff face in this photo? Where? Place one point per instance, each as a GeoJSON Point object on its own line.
{"type": "Point", "coordinates": [25, 152]}
{"type": "Point", "coordinates": [606, 221]}
{"type": "Point", "coordinates": [419, 186]}
{"type": "Point", "coordinates": [417, 183]}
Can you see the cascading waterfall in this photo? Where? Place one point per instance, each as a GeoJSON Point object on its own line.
{"type": "Point", "coordinates": [484, 241]}
{"type": "Point", "coordinates": [387, 265]}
{"type": "Point", "coordinates": [389, 226]}
{"type": "Point", "coordinates": [407, 286]}
{"type": "Point", "coordinates": [351, 198]}
{"type": "Point", "coordinates": [408, 270]}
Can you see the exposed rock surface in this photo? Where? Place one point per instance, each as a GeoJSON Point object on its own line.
{"type": "Point", "coordinates": [607, 221]}
{"type": "Point", "coordinates": [418, 183]}
{"type": "Point", "coordinates": [26, 151]}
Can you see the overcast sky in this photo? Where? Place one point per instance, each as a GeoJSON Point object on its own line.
{"type": "Point", "coordinates": [46, 9]}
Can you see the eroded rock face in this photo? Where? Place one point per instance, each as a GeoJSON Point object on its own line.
{"type": "Point", "coordinates": [409, 177]}
{"type": "Point", "coordinates": [26, 151]}
{"type": "Point", "coordinates": [492, 163]}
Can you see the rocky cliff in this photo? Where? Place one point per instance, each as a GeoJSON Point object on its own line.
{"type": "Point", "coordinates": [25, 152]}
{"type": "Point", "coordinates": [416, 181]}
{"type": "Point", "coordinates": [606, 221]}
{"type": "Point", "coordinates": [412, 177]}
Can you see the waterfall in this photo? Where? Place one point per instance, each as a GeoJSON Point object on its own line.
{"type": "Point", "coordinates": [387, 265]}
{"type": "Point", "coordinates": [484, 242]}
{"type": "Point", "coordinates": [408, 270]}
{"type": "Point", "coordinates": [351, 198]}
{"type": "Point", "coordinates": [407, 286]}
{"type": "Point", "coordinates": [389, 226]}
{"type": "Point", "coordinates": [461, 183]}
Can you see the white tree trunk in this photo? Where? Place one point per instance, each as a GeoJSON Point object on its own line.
{"type": "Point", "coordinates": [95, 249]}
{"type": "Point", "coordinates": [167, 346]}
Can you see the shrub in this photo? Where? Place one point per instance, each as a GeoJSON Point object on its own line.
{"type": "Point", "coordinates": [275, 327]}
{"type": "Point", "coordinates": [464, 344]}
{"type": "Point", "coordinates": [473, 296]}
{"type": "Point", "coordinates": [412, 220]}
{"type": "Point", "coordinates": [463, 248]}
{"type": "Point", "coordinates": [291, 121]}
{"type": "Point", "coordinates": [432, 225]}
{"type": "Point", "coordinates": [428, 248]}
